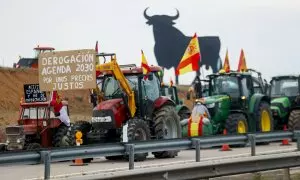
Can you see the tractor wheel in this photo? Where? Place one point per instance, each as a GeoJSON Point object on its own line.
{"type": "Point", "coordinates": [64, 136]}
{"type": "Point", "coordinates": [184, 114]}
{"type": "Point", "coordinates": [236, 124]}
{"type": "Point", "coordinates": [264, 118]}
{"type": "Point", "coordinates": [33, 146]}
{"type": "Point", "coordinates": [166, 126]}
{"type": "Point", "coordinates": [294, 120]}
{"type": "Point", "coordinates": [137, 130]}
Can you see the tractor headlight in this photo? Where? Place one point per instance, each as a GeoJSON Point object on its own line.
{"type": "Point", "coordinates": [102, 119]}
{"type": "Point", "coordinates": [7, 141]}
{"type": "Point", "coordinates": [212, 105]}
{"type": "Point", "coordinates": [18, 141]}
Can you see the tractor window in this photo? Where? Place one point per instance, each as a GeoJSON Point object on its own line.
{"type": "Point", "coordinates": [151, 88]}
{"type": "Point", "coordinates": [111, 86]}
{"type": "Point", "coordinates": [284, 87]}
{"type": "Point", "coordinates": [246, 88]}
{"type": "Point", "coordinates": [35, 113]}
{"type": "Point", "coordinates": [257, 88]}
{"type": "Point", "coordinates": [29, 113]}
{"type": "Point", "coordinates": [225, 85]}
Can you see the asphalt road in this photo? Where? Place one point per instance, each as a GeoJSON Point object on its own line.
{"type": "Point", "coordinates": [63, 169]}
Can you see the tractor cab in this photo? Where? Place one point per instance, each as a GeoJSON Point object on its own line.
{"type": "Point", "coordinates": [171, 92]}
{"type": "Point", "coordinates": [37, 127]}
{"type": "Point", "coordinates": [132, 108]}
{"type": "Point", "coordinates": [287, 86]}
{"type": "Point", "coordinates": [284, 92]}
{"type": "Point", "coordinates": [236, 102]}
{"type": "Point", "coordinates": [235, 86]}
{"type": "Point", "coordinates": [38, 50]}
{"type": "Point", "coordinates": [32, 62]}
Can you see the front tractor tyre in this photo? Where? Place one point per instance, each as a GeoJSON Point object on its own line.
{"type": "Point", "coordinates": [64, 136]}
{"type": "Point", "coordinates": [166, 126]}
{"type": "Point", "coordinates": [137, 130]}
{"type": "Point", "coordinates": [264, 120]}
{"type": "Point", "coordinates": [236, 124]}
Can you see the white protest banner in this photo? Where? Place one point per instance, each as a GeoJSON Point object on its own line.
{"type": "Point", "coordinates": [67, 70]}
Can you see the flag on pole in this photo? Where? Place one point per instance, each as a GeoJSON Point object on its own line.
{"type": "Point", "coordinates": [171, 82]}
{"type": "Point", "coordinates": [226, 66]}
{"type": "Point", "coordinates": [145, 67]}
{"type": "Point", "coordinates": [96, 47]}
{"type": "Point", "coordinates": [242, 67]}
{"type": "Point", "coordinates": [190, 60]}
{"type": "Point", "coordinates": [59, 111]}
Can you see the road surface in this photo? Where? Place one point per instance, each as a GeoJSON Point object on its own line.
{"type": "Point", "coordinates": [63, 169]}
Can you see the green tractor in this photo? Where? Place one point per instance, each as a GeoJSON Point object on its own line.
{"type": "Point", "coordinates": [237, 102]}
{"type": "Point", "coordinates": [285, 103]}
{"type": "Point", "coordinates": [182, 110]}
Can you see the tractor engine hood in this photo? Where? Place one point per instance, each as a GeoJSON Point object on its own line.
{"type": "Point", "coordinates": [211, 101]}
{"type": "Point", "coordinates": [280, 106]}
{"type": "Point", "coordinates": [109, 114]}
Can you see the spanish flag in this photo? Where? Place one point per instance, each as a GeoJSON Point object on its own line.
{"type": "Point", "coordinates": [191, 58]}
{"type": "Point", "coordinates": [146, 69]}
{"type": "Point", "coordinates": [226, 66]}
{"type": "Point", "coordinates": [242, 63]}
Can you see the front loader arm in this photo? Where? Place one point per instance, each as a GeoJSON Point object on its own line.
{"type": "Point", "coordinates": [118, 74]}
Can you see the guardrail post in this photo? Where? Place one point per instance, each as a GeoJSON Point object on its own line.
{"type": "Point", "coordinates": [196, 144]}
{"type": "Point", "coordinates": [130, 152]}
{"type": "Point", "coordinates": [297, 137]}
{"type": "Point", "coordinates": [46, 159]}
{"type": "Point", "coordinates": [252, 139]}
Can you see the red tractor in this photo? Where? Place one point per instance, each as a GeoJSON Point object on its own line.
{"type": "Point", "coordinates": [38, 127]}
{"type": "Point", "coordinates": [32, 62]}
{"type": "Point", "coordinates": [132, 109]}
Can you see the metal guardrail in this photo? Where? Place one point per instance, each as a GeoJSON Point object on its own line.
{"type": "Point", "coordinates": [47, 156]}
{"type": "Point", "coordinates": [204, 170]}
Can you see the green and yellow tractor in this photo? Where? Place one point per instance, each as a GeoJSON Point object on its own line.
{"type": "Point", "coordinates": [237, 102]}
{"type": "Point", "coordinates": [285, 104]}
{"type": "Point", "coordinates": [172, 92]}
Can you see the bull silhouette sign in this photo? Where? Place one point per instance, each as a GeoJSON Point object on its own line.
{"type": "Point", "coordinates": [170, 44]}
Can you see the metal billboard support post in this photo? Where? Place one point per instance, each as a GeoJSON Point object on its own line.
{"type": "Point", "coordinates": [252, 139]}
{"type": "Point", "coordinates": [130, 152]}
{"type": "Point", "coordinates": [196, 144]}
{"type": "Point", "coordinates": [46, 159]}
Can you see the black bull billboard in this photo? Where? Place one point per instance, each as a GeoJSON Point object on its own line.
{"type": "Point", "coordinates": [170, 43]}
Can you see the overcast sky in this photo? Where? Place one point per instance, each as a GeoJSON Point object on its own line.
{"type": "Point", "coordinates": [268, 30]}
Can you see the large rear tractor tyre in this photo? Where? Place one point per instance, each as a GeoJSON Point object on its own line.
{"type": "Point", "coordinates": [64, 136]}
{"type": "Point", "coordinates": [294, 120]}
{"type": "Point", "coordinates": [137, 130]}
{"type": "Point", "coordinates": [166, 126]}
{"type": "Point", "coordinates": [236, 124]}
